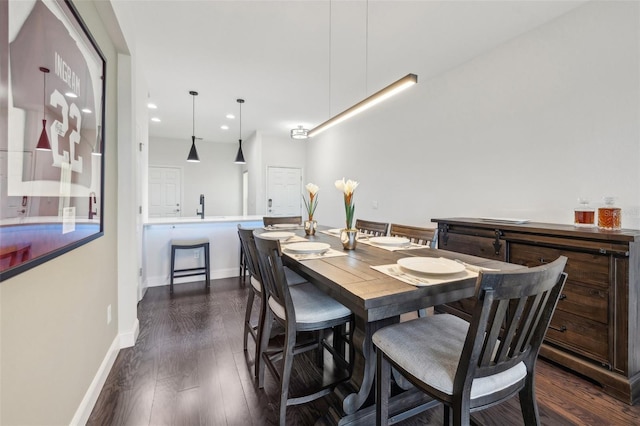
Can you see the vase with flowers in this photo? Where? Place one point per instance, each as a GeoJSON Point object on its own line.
{"type": "Point", "coordinates": [310, 225]}
{"type": "Point", "coordinates": [348, 235]}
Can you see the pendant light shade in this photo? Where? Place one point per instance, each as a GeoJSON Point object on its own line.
{"type": "Point", "coordinates": [43, 142]}
{"type": "Point", "coordinates": [240, 155]}
{"type": "Point", "coordinates": [193, 152]}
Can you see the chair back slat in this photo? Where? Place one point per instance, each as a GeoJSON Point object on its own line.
{"type": "Point", "coordinates": [274, 280]}
{"type": "Point", "coordinates": [274, 220]}
{"type": "Point", "coordinates": [417, 235]}
{"type": "Point", "coordinates": [249, 249]}
{"type": "Point", "coordinates": [378, 229]}
{"type": "Point", "coordinates": [510, 318]}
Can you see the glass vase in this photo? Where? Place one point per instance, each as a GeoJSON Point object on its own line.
{"type": "Point", "coordinates": [348, 238]}
{"type": "Point", "coordinates": [310, 227]}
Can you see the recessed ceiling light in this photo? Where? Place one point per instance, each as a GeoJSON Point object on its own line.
{"type": "Point", "coordinates": [152, 106]}
{"type": "Point", "coordinates": [86, 110]}
{"type": "Point", "coordinates": [71, 95]}
{"type": "Point", "coordinates": [224, 127]}
{"type": "Point", "coordinates": [155, 119]}
{"type": "Point", "coordinates": [230, 116]}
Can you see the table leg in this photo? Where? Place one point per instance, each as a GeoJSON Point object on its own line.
{"type": "Point", "coordinates": [354, 393]}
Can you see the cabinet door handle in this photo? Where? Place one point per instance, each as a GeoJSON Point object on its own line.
{"type": "Point", "coordinates": [562, 297]}
{"type": "Point", "coordinates": [561, 329]}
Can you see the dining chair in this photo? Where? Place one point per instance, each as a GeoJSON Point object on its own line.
{"type": "Point", "coordinates": [300, 308]}
{"type": "Point", "coordinates": [470, 366]}
{"type": "Point", "coordinates": [275, 220]}
{"type": "Point", "coordinates": [417, 235]}
{"type": "Point", "coordinates": [248, 245]}
{"type": "Point", "coordinates": [377, 229]}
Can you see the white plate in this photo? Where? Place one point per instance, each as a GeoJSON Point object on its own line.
{"type": "Point", "coordinates": [390, 241]}
{"type": "Point", "coordinates": [310, 247]}
{"type": "Point", "coordinates": [285, 225]}
{"type": "Point", "coordinates": [277, 235]}
{"type": "Point", "coordinates": [431, 265]}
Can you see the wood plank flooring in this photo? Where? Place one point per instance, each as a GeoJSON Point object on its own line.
{"type": "Point", "coordinates": [188, 368]}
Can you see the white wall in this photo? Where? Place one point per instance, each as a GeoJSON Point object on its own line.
{"type": "Point", "coordinates": [262, 151]}
{"type": "Point", "coordinates": [216, 175]}
{"type": "Point", "coordinates": [521, 131]}
{"type": "Point", "coordinates": [53, 317]}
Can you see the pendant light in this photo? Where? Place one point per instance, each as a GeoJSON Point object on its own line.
{"type": "Point", "coordinates": [43, 142]}
{"type": "Point", "coordinates": [193, 153]}
{"type": "Point", "coordinates": [240, 155]}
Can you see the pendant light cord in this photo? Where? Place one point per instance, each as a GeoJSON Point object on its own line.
{"type": "Point", "coordinates": [44, 94]}
{"type": "Point", "coordinates": [193, 116]}
{"type": "Point", "coordinates": [366, 53]}
{"type": "Point", "coordinates": [330, 13]}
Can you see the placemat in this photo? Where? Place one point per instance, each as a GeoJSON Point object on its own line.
{"type": "Point", "coordinates": [394, 271]}
{"type": "Point", "coordinates": [309, 256]}
{"type": "Point", "coordinates": [409, 246]}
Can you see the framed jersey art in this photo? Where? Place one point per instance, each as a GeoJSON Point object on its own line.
{"type": "Point", "coordinates": [52, 86]}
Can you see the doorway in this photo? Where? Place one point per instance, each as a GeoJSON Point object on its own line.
{"type": "Point", "coordinates": [284, 191]}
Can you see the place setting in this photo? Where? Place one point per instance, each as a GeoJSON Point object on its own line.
{"type": "Point", "coordinates": [393, 243]}
{"type": "Point", "coordinates": [282, 236]}
{"type": "Point", "coordinates": [425, 271]}
{"type": "Point", "coordinates": [281, 226]}
{"type": "Point", "coordinates": [310, 250]}
{"type": "Point", "coordinates": [337, 231]}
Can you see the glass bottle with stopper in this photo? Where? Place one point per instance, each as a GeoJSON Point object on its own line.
{"type": "Point", "coordinates": [584, 215]}
{"type": "Point", "coordinates": [609, 216]}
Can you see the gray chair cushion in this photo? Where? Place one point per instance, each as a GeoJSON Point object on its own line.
{"type": "Point", "coordinates": [311, 305]}
{"type": "Point", "coordinates": [256, 284]}
{"type": "Point", "coordinates": [429, 349]}
{"type": "Point", "coordinates": [292, 277]}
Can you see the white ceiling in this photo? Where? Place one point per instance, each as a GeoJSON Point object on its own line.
{"type": "Point", "coordinates": [299, 62]}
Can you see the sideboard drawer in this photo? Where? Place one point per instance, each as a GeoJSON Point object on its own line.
{"type": "Point", "coordinates": [581, 335]}
{"type": "Point", "coordinates": [588, 268]}
{"type": "Point", "coordinates": [585, 301]}
{"type": "Point", "coordinates": [473, 245]}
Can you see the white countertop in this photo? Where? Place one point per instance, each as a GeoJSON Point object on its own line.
{"type": "Point", "coordinates": [196, 220]}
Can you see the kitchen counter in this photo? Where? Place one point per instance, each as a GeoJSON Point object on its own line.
{"type": "Point", "coordinates": [222, 232]}
{"type": "Point", "coordinates": [196, 219]}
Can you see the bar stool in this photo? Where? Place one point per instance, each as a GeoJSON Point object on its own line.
{"type": "Point", "coordinates": [202, 243]}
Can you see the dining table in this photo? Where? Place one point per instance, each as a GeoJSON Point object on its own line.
{"type": "Point", "coordinates": [368, 282]}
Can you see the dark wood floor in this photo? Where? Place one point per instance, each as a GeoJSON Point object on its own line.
{"type": "Point", "coordinates": [188, 368]}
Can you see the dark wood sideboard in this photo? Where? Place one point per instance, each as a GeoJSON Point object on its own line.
{"type": "Point", "coordinates": [595, 329]}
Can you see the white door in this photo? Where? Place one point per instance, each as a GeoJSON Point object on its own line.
{"type": "Point", "coordinates": [284, 191]}
{"type": "Point", "coordinates": [165, 191]}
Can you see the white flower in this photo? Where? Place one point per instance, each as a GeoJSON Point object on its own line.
{"type": "Point", "coordinates": [347, 186]}
{"type": "Point", "coordinates": [312, 188]}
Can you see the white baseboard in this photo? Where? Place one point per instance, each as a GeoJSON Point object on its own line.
{"type": "Point", "coordinates": [91, 396]}
{"type": "Point", "coordinates": [158, 281]}
{"type": "Point", "coordinates": [123, 340]}
{"type": "Point", "coordinates": [127, 340]}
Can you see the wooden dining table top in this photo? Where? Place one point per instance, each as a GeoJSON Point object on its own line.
{"type": "Point", "coordinates": [373, 295]}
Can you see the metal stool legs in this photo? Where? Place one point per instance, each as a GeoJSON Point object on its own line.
{"type": "Point", "coordinates": [189, 272]}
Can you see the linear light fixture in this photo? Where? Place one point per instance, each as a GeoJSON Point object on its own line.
{"type": "Point", "coordinates": [392, 89]}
